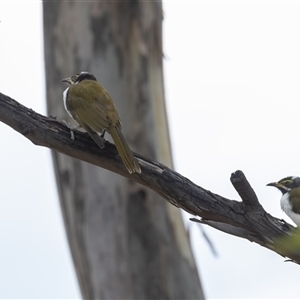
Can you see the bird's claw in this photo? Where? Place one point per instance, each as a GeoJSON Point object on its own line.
{"type": "Point", "coordinates": [71, 129]}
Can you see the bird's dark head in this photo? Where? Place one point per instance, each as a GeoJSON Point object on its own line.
{"type": "Point", "coordinates": [79, 77]}
{"type": "Point", "coordinates": [286, 184]}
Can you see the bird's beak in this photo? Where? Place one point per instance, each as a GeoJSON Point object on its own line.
{"type": "Point", "coordinates": [273, 184]}
{"type": "Point", "coordinates": [279, 186]}
{"type": "Point", "coordinates": [68, 80]}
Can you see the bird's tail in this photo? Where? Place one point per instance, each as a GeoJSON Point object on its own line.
{"type": "Point", "coordinates": [126, 154]}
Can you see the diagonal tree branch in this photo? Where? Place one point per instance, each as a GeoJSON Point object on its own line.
{"type": "Point", "coordinates": [246, 219]}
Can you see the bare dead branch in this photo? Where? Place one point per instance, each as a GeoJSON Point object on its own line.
{"type": "Point", "coordinates": [246, 219]}
{"type": "Point", "coordinates": [244, 189]}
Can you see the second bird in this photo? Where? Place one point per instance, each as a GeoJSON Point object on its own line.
{"type": "Point", "coordinates": [91, 106]}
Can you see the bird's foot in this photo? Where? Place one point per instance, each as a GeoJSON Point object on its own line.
{"type": "Point", "coordinates": [71, 129]}
{"type": "Point", "coordinates": [103, 134]}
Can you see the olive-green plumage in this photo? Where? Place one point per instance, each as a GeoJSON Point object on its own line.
{"type": "Point", "coordinates": [91, 106]}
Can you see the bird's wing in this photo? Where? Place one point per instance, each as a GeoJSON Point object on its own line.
{"type": "Point", "coordinates": [99, 140]}
{"type": "Point", "coordinates": [103, 102]}
{"type": "Point", "coordinates": [87, 110]}
{"type": "Point", "coordinates": [296, 205]}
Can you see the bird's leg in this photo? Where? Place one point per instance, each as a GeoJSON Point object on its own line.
{"type": "Point", "coordinates": [71, 128]}
{"type": "Point", "coordinates": [103, 133]}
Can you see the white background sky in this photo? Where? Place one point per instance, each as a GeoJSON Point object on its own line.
{"type": "Point", "coordinates": [232, 75]}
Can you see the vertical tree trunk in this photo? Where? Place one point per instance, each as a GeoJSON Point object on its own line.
{"type": "Point", "coordinates": [126, 242]}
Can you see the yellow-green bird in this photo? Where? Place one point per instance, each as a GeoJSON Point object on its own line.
{"type": "Point", "coordinates": [91, 106]}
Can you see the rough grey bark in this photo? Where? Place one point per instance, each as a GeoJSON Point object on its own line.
{"type": "Point", "coordinates": [246, 219]}
{"type": "Point", "coordinates": [125, 241]}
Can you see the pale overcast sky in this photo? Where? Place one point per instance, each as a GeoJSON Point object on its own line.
{"type": "Point", "coordinates": [232, 88]}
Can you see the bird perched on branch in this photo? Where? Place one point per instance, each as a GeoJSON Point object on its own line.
{"type": "Point", "coordinates": [91, 106]}
{"type": "Point", "coordinates": [290, 200]}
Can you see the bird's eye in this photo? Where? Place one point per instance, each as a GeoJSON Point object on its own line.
{"type": "Point", "coordinates": [287, 182]}
{"type": "Point", "coordinates": [74, 77]}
